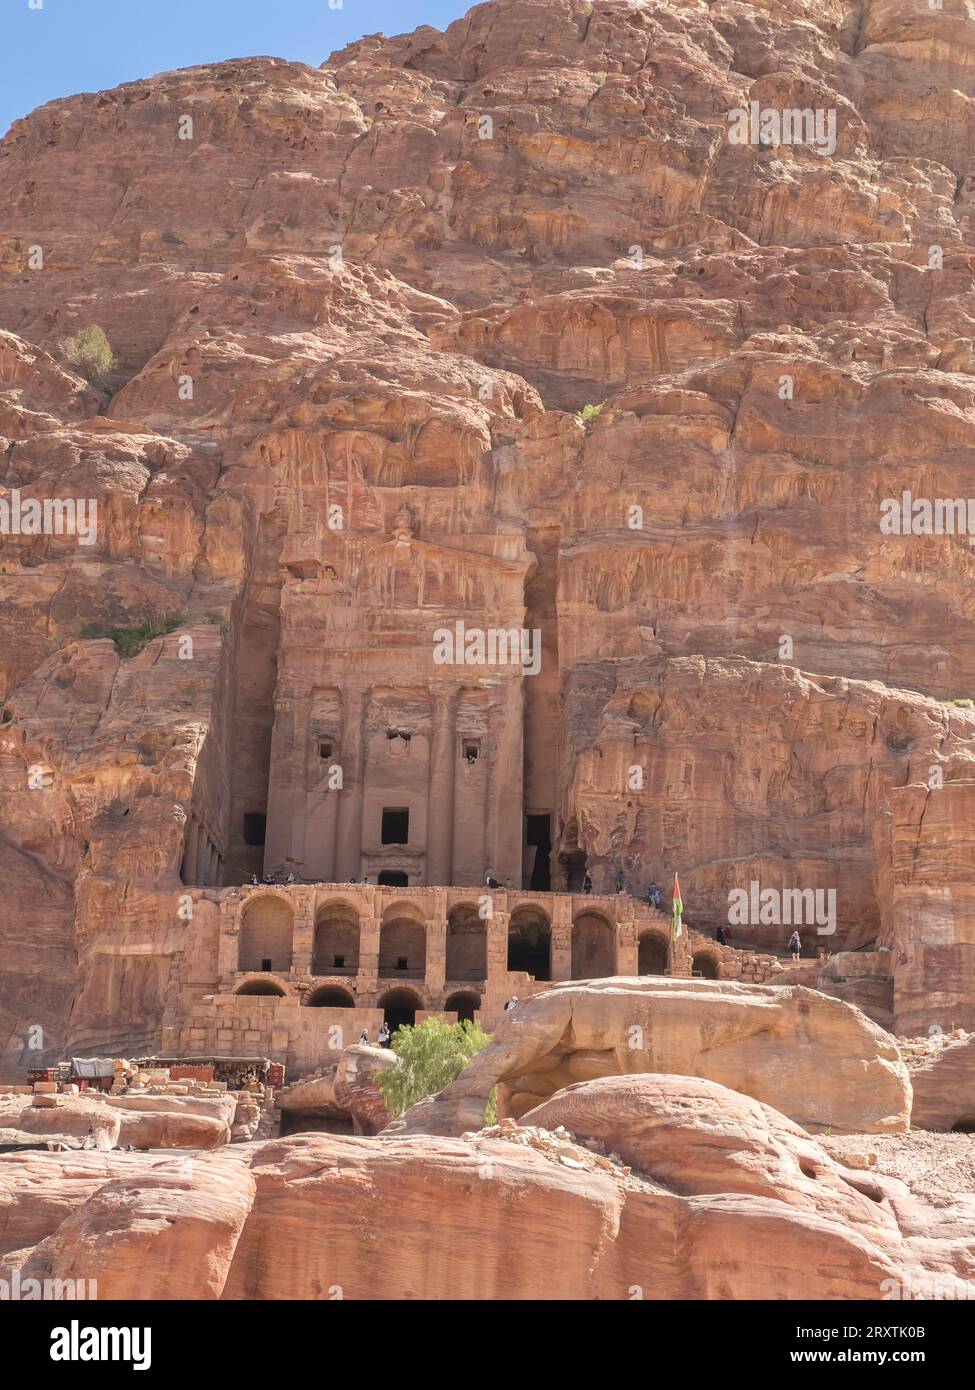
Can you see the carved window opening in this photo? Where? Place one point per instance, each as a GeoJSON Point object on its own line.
{"type": "Point", "coordinates": [395, 825]}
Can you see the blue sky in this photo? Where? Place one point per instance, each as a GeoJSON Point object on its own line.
{"type": "Point", "coordinates": [69, 46]}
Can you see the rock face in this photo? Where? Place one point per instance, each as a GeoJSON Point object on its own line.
{"type": "Point", "coordinates": [943, 1083]}
{"type": "Point", "coordinates": [707, 1177]}
{"type": "Point", "coordinates": [816, 1059]}
{"type": "Point", "coordinates": [495, 327]}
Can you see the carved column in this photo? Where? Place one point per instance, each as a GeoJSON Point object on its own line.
{"type": "Point", "coordinates": [323, 865]}
{"type": "Point", "coordinates": [435, 970]}
{"type": "Point", "coordinates": [497, 951]}
{"type": "Point", "coordinates": [562, 938]}
{"type": "Point", "coordinates": [504, 821]}
{"type": "Point", "coordinates": [349, 852]}
{"type": "Point", "coordinates": [303, 905]}
{"type": "Point", "coordinates": [440, 805]}
{"type": "Point", "coordinates": [367, 980]}
{"type": "Point", "coordinates": [626, 946]}
{"type": "Point", "coordinates": [287, 783]}
{"type": "Point", "coordinates": [230, 916]}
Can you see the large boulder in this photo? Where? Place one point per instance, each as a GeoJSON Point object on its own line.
{"type": "Point", "coordinates": [174, 1122]}
{"type": "Point", "coordinates": [944, 1087]}
{"type": "Point", "coordinates": [816, 1059]}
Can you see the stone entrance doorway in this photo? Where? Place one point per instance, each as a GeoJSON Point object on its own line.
{"type": "Point", "coordinates": [399, 1008]}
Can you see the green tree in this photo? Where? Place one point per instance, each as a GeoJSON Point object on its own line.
{"type": "Point", "coordinates": [129, 641]}
{"type": "Point", "coordinates": [91, 352]}
{"type": "Point", "coordinates": [431, 1055]}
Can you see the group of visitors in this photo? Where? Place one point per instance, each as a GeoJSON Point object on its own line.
{"type": "Point", "coordinates": [383, 1037]}
{"type": "Point", "coordinates": [723, 937]}
{"type": "Point", "coordinates": [653, 892]}
{"type": "Point", "coordinates": [289, 878]}
{"type": "Point", "coordinates": [653, 895]}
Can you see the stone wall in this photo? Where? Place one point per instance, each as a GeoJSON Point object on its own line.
{"type": "Point", "coordinates": [304, 1017]}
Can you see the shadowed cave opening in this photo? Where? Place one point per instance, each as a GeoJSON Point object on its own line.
{"type": "Point", "coordinates": [464, 1004]}
{"type": "Point", "coordinates": [399, 1009]}
{"type": "Point", "coordinates": [652, 955]}
{"type": "Point", "coordinates": [330, 997]}
{"type": "Point", "coordinates": [529, 945]}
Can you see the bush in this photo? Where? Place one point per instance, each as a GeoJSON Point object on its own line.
{"type": "Point", "coordinates": [91, 352]}
{"type": "Point", "coordinates": [589, 412]}
{"type": "Point", "coordinates": [963, 704]}
{"type": "Point", "coordinates": [431, 1055]}
{"type": "Point", "coordinates": [129, 641]}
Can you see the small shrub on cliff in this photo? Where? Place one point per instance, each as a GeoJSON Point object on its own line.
{"type": "Point", "coordinates": [963, 704]}
{"type": "Point", "coordinates": [589, 412]}
{"type": "Point", "coordinates": [91, 353]}
{"type": "Point", "coordinates": [431, 1055]}
{"type": "Point", "coordinates": [129, 641]}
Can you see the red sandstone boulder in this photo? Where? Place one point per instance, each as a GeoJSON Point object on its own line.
{"type": "Point", "coordinates": [814, 1058]}
{"type": "Point", "coordinates": [709, 1178]}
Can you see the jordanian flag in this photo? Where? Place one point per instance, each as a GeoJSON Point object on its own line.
{"type": "Point", "coordinates": [678, 909]}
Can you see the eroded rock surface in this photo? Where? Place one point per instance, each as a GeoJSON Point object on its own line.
{"type": "Point", "coordinates": [666, 1184]}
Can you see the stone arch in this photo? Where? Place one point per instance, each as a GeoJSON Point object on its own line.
{"type": "Point", "coordinates": [403, 907]}
{"type": "Point", "coordinates": [593, 947]}
{"type": "Point", "coordinates": [266, 934]}
{"type": "Point", "coordinates": [402, 947]}
{"type": "Point", "coordinates": [530, 942]}
{"type": "Point", "coordinates": [330, 997]}
{"type": "Point", "coordinates": [466, 944]}
{"type": "Point", "coordinates": [262, 987]}
{"type": "Point", "coordinates": [464, 1003]}
{"type": "Point", "coordinates": [652, 954]}
{"type": "Point", "coordinates": [705, 963]}
{"type": "Point", "coordinates": [399, 1007]}
{"type": "Point", "coordinates": [336, 948]}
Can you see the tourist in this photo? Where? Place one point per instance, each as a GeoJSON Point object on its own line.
{"type": "Point", "coordinates": [291, 877]}
{"type": "Point", "coordinates": [719, 936]}
{"type": "Point", "coordinates": [489, 880]}
{"type": "Point", "coordinates": [795, 945]}
{"type": "Point", "coordinates": [364, 1036]}
{"type": "Point", "coordinates": [511, 1002]}
{"type": "Point", "coordinates": [587, 883]}
{"type": "Point", "coordinates": [620, 881]}
{"type": "Point", "coordinates": [384, 1035]}
{"type": "Point", "coordinates": [268, 878]}
{"type": "Point", "coordinates": [255, 882]}
{"type": "Point", "coordinates": [653, 895]}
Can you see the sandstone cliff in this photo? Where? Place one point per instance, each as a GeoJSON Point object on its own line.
{"type": "Point", "coordinates": [380, 293]}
